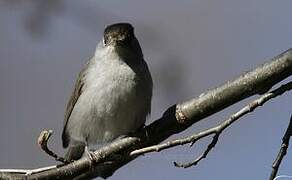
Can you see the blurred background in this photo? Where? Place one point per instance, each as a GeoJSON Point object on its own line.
{"type": "Point", "coordinates": [190, 46]}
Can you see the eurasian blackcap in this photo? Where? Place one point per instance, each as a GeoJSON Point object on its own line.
{"type": "Point", "coordinates": [112, 94]}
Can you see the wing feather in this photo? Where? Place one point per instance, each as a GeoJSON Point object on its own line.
{"type": "Point", "coordinates": [79, 86]}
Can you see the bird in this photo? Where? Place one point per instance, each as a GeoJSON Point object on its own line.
{"type": "Point", "coordinates": [112, 93]}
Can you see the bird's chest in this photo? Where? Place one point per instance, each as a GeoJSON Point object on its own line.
{"type": "Point", "coordinates": [113, 86]}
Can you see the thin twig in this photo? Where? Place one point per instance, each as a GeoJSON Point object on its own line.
{"type": "Point", "coordinates": [282, 151]}
{"type": "Point", "coordinates": [202, 156]}
{"type": "Point", "coordinates": [43, 143]}
{"type": "Point", "coordinates": [215, 130]}
{"type": "Point", "coordinates": [27, 171]}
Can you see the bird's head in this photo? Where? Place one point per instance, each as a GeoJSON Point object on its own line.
{"type": "Point", "coordinates": [121, 38]}
{"type": "Point", "coordinates": [120, 34]}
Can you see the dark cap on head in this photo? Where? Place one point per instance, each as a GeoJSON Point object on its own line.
{"type": "Point", "coordinates": [119, 33]}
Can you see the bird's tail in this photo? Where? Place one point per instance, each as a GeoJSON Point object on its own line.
{"type": "Point", "coordinates": [75, 151]}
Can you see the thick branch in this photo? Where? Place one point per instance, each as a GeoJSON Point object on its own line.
{"type": "Point", "coordinates": [217, 130]}
{"type": "Point", "coordinates": [258, 81]}
{"type": "Point", "coordinates": [179, 117]}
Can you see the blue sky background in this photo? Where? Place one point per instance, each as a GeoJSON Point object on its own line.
{"type": "Point", "coordinates": [190, 46]}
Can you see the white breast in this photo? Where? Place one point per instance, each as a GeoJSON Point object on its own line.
{"type": "Point", "coordinates": [113, 102]}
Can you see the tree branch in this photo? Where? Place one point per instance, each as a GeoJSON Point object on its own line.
{"type": "Point", "coordinates": [283, 150]}
{"type": "Point", "coordinates": [176, 119]}
{"type": "Point", "coordinates": [217, 130]}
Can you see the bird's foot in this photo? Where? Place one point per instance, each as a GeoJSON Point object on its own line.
{"type": "Point", "coordinates": [94, 157]}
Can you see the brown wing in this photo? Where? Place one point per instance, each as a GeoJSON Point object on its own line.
{"type": "Point", "coordinates": [79, 84]}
